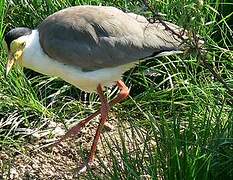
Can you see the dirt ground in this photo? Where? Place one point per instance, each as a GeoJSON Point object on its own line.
{"type": "Point", "coordinates": [37, 160]}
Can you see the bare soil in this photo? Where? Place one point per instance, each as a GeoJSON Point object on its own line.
{"type": "Point", "coordinates": [37, 160]}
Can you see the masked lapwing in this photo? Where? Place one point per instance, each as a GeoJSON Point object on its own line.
{"type": "Point", "coordinates": [91, 47]}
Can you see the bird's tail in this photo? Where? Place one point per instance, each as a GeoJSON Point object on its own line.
{"type": "Point", "coordinates": [165, 38]}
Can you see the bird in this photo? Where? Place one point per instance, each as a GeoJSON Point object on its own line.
{"type": "Point", "coordinates": [91, 47]}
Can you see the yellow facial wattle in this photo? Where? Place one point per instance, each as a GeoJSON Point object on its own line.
{"type": "Point", "coordinates": [15, 54]}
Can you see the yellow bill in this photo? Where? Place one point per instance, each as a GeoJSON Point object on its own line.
{"type": "Point", "coordinates": [15, 54]}
{"type": "Point", "coordinates": [10, 63]}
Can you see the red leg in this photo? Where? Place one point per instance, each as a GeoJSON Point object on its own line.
{"type": "Point", "coordinates": [76, 129]}
{"type": "Point", "coordinates": [123, 94]}
{"type": "Point", "coordinates": [104, 116]}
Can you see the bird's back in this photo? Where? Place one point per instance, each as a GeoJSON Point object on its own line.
{"type": "Point", "coordinates": [95, 37]}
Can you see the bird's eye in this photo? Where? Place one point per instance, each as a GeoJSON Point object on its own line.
{"type": "Point", "coordinates": [22, 45]}
{"type": "Point", "coordinates": [17, 45]}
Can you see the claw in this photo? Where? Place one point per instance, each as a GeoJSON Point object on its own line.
{"type": "Point", "coordinates": [82, 170]}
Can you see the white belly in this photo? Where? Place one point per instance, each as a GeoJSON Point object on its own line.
{"type": "Point", "coordinates": [87, 81]}
{"type": "Point", "coordinates": [34, 58]}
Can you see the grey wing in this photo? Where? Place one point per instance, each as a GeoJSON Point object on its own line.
{"type": "Point", "coordinates": [96, 37]}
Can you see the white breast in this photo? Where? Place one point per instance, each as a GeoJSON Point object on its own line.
{"type": "Point", "coordinates": [34, 58]}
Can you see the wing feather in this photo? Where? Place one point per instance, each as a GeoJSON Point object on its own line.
{"type": "Point", "coordinates": [93, 37]}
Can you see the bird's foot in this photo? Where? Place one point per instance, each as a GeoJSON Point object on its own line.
{"type": "Point", "coordinates": [82, 170]}
{"type": "Point", "coordinates": [84, 167]}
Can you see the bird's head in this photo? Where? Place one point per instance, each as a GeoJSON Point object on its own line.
{"type": "Point", "coordinates": [15, 45]}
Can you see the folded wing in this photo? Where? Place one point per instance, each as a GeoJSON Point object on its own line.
{"type": "Point", "coordinates": [97, 37]}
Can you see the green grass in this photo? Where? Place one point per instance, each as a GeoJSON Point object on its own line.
{"type": "Point", "coordinates": [182, 113]}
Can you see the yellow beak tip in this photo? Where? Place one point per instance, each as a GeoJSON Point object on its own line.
{"type": "Point", "coordinates": [9, 65]}
{"type": "Point", "coordinates": [7, 72]}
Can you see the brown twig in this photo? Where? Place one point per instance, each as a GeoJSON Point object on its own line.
{"type": "Point", "coordinates": [158, 17]}
{"type": "Point", "coordinates": [195, 42]}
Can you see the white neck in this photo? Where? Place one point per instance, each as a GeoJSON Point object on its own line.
{"type": "Point", "coordinates": [34, 57]}
{"type": "Point", "coordinates": [33, 52]}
